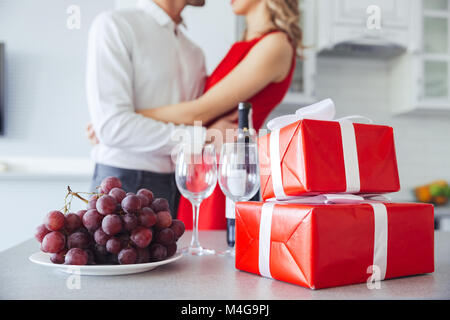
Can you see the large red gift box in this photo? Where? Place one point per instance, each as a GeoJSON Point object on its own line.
{"type": "Point", "coordinates": [310, 157]}
{"type": "Point", "coordinates": [319, 246]}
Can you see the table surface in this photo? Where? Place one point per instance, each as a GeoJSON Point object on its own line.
{"type": "Point", "coordinates": [204, 277]}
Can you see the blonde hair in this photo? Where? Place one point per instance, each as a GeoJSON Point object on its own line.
{"type": "Point", "coordinates": [285, 15]}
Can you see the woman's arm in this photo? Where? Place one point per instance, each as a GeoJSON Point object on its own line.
{"type": "Point", "coordinates": [268, 61]}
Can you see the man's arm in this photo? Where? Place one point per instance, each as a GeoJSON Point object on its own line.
{"type": "Point", "coordinates": [110, 93]}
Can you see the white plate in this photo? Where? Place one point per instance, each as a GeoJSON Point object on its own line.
{"type": "Point", "coordinates": [100, 270]}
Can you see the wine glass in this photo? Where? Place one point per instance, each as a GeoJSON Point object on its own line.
{"type": "Point", "coordinates": [239, 172]}
{"type": "Point", "coordinates": [196, 178]}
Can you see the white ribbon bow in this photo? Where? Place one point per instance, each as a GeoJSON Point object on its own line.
{"type": "Point", "coordinates": [322, 110]}
{"type": "Point", "coordinates": [380, 226]}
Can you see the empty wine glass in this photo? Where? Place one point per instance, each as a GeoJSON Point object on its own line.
{"type": "Point", "coordinates": [239, 172]}
{"type": "Point", "coordinates": [196, 178]}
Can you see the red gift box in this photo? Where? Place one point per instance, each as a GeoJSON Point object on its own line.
{"type": "Point", "coordinates": [319, 246]}
{"type": "Point", "coordinates": [310, 157]}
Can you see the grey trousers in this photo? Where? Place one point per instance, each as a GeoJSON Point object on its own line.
{"type": "Point", "coordinates": [161, 184]}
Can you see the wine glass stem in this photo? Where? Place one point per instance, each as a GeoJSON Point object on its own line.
{"type": "Point", "coordinates": [196, 209]}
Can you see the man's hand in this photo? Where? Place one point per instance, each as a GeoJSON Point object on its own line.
{"type": "Point", "coordinates": [90, 134]}
{"type": "Point", "coordinates": [222, 130]}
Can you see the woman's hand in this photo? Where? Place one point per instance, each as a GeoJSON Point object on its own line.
{"type": "Point", "coordinates": [90, 134]}
{"type": "Point", "coordinates": [222, 130]}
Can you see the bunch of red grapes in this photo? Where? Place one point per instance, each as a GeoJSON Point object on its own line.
{"type": "Point", "coordinates": [116, 228]}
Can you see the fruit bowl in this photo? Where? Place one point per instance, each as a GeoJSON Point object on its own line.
{"type": "Point", "coordinates": [100, 270]}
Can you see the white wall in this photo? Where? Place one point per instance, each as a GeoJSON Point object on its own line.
{"type": "Point", "coordinates": [46, 109]}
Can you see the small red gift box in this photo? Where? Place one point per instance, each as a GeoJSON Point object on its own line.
{"type": "Point", "coordinates": [319, 246]}
{"type": "Point", "coordinates": [310, 157]}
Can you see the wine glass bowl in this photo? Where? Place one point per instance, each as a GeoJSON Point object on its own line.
{"type": "Point", "coordinates": [239, 170]}
{"type": "Point", "coordinates": [238, 178]}
{"type": "Point", "coordinates": [196, 178]}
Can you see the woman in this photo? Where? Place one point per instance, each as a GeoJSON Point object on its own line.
{"type": "Point", "coordinates": [257, 69]}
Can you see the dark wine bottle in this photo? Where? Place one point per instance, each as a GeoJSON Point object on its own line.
{"type": "Point", "coordinates": [244, 135]}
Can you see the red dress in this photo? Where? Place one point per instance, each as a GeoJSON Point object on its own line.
{"type": "Point", "coordinates": [212, 209]}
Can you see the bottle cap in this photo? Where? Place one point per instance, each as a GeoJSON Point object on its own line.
{"type": "Point", "coordinates": [244, 105]}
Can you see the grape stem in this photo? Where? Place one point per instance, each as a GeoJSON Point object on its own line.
{"type": "Point", "coordinates": [76, 194]}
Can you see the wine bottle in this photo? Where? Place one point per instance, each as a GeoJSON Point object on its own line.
{"type": "Point", "coordinates": [244, 135]}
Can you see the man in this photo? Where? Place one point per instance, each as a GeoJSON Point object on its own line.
{"type": "Point", "coordinates": [139, 58]}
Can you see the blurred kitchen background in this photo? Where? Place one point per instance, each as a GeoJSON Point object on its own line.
{"type": "Point", "coordinates": [395, 72]}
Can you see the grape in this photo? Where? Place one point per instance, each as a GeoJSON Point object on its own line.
{"type": "Point", "coordinates": [147, 193]}
{"type": "Point", "coordinates": [110, 183]}
{"type": "Point", "coordinates": [160, 204]}
{"type": "Point", "coordinates": [118, 194]}
{"type": "Point", "coordinates": [124, 240]}
{"type": "Point", "coordinates": [101, 237]}
{"type": "Point", "coordinates": [164, 219]}
{"type": "Point", "coordinates": [92, 203]}
{"type": "Point", "coordinates": [114, 245]}
{"type": "Point", "coordinates": [92, 220]}
{"type": "Point", "coordinates": [72, 222]}
{"type": "Point", "coordinates": [130, 221]}
{"type": "Point", "coordinates": [144, 200]}
{"type": "Point", "coordinates": [53, 242]}
{"type": "Point", "coordinates": [100, 250]}
{"type": "Point", "coordinates": [157, 252]}
{"type": "Point", "coordinates": [165, 236]}
{"type": "Point", "coordinates": [54, 220]}
{"type": "Point", "coordinates": [58, 257]}
{"type": "Point", "coordinates": [171, 249]}
{"type": "Point", "coordinates": [141, 237]}
{"type": "Point", "coordinates": [42, 248]}
{"type": "Point", "coordinates": [41, 231]}
{"type": "Point", "coordinates": [130, 194]}
{"type": "Point", "coordinates": [100, 253]}
{"type": "Point", "coordinates": [79, 239]}
{"type": "Point", "coordinates": [143, 255]}
{"type": "Point", "coordinates": [131, 204]}
{"type": "Point", "coordinates": [106, 205]}
{"type": "Point", "coordinates": [91, 257]}
{"type": "Point", "coordinates": [76, 256]}
{"type": "Point", "coordinates": [112, 224]}
{"type": "Point", "coordinates": [127, 256]}
{"type": "Point", "coordinates": [81, 213]}
{"type": "Point", "coordinates": [113, 259]}
{"type": "Point", "coordinates": [178, 228]}
{"type": "Point", "coordinates": [147, 217]}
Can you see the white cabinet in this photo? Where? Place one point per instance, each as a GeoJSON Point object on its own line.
{"type": "Point", "coordinates": [364, 22]}
{"type": "Point", "coordinates": [420, 80]}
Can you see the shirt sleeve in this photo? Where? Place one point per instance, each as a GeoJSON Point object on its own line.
{"type": "Point", "coordinates": [110, 94]}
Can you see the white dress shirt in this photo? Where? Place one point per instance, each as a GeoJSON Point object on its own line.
{"type": "Point", "coordinates": [139, 58]}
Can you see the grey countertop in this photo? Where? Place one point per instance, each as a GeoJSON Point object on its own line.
{"type": "Point", "coordinates": [205, 277]}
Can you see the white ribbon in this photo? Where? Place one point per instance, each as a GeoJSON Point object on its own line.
{"type": "Point", "coordinates": [265, 231]}
{"type": "Point", "coordinates": [380, 237]}
{"type": "Point", "coordinates": [380, 226]}
{"type": "Point", "coordinates": [322, 110]}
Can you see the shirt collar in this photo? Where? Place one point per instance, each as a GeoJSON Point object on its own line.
{"type": "Point", "coordinates": [158, 13]}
